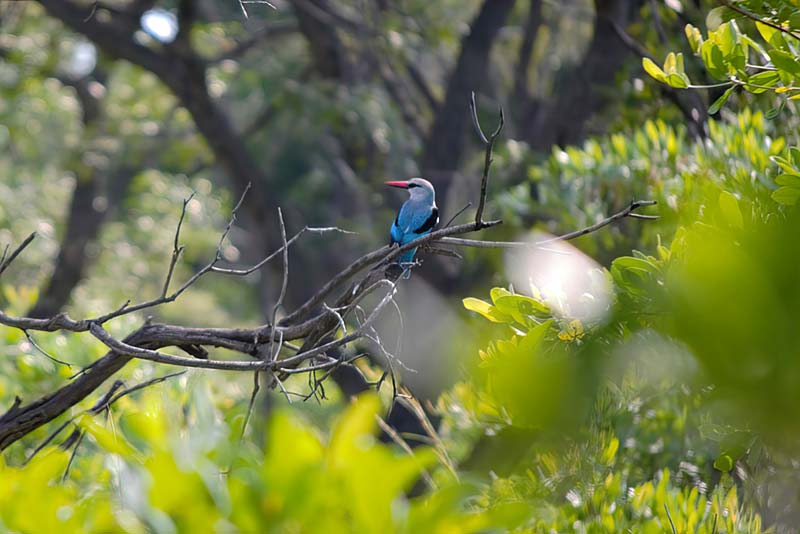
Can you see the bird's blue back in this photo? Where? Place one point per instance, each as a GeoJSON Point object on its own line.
{"type": "Point", "coordinates": [412, 216]}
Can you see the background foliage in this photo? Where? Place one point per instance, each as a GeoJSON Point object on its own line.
{"type": "Point", "coordinates": [651, 388]}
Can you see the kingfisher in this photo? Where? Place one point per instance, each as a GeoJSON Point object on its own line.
{"type": "Point", "coordinates": [416, 218]}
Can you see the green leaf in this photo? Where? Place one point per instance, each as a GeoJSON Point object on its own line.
{"type": "Point", "coordinates": [498, 292]}
{"type": "Point", "coordinates": [794, 152]}
{"type": "Point", "coordinates": [521, 307]}
{"type": "Point", "coordinates": [670, 63]}
{"type": "Point", "coordinates": [750, 42]}
{"type": "Point", "coordinates": [719, 102]}
{"type": "Point", "coordinates": [611, 451]}
{"type": "Point", "coordinates": [786, 195]}
{"type": "Point", "coordinates": [714, 18]}
{"type": "Point", "coordinates": [694, 37]}
{"type": "Point", "coordinates": [729, 207]}
{"type": "Point", "coordinates": [784, 61]}
{"type": "Point", "coordinates": [677, 81]}
{"type": "Point", "coordinates": [727, 38]}
{"type": "Point", "coordinates": [357, 421]}
{"type": "Point", "coordinates": [788, 179]}
{"type": "Point", "coordinates": [766, 31]}
{"type": "Point", "coordinates": [786, 165]}
{"type": "Point", "coordinates": [714, 60]}
{"type": "Point", "coordinates": [635, 264]}
{"type": "Point", "coordinates": [654, 70]}
{"type": "Point", "coordinates": [486, 310]}
{"type": "Point", "coordinates": [759, 83]}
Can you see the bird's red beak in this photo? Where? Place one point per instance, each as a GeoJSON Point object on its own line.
{"type": "Point", "coordinates": [401, 185]}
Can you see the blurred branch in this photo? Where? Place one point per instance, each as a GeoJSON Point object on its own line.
{"type": "Point", "coordinates": [417, 77]}
{"type": "Point", "coordinates": [399, 94]}
{"type": "Point", "coordinates": [318, 22]}
{"type": "Point", "coordinates": [103, 403]}
{"type": "Point", "coordinates": [184, 72]}
{"type": "Point", "coordinates": [530, 32]}
{"type": "Point", "coordinates": [6, 259]}
{"type": "Point", "coordinates": [257, 37]}
{"type": "Point", "coordinates": [694, 113]}
{"type": "Point", "coordinates": [583, 89]}
{"type": "Point", "coordinates": [446, 139]}
{"type": "Point", "coordinates": [89, 208]}
{"type": "Point", "coordinates": [752, 16]}
{"type": "Point", "coordinates": [264, 2]}
{"type": "Point", "coordinates": [186, 17]}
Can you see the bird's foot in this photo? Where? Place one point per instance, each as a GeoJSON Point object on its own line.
{"type": "Point", "coordinates": [407, 266]}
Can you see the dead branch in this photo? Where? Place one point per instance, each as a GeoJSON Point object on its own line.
{"type": "Point", "coordinates": [487, 162]}
{"type": "Point", "coordinates": [628, 211]}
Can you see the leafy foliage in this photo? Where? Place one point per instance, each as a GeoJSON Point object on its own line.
{"type": "Point", "coordinates": [672, 411]}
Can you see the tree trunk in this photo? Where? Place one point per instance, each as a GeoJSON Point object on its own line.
{"type": "Point", "coordinates": [86, 215]}
{"type": "Point", "coordinates": [444, 148]}
{"type": "Point", "coordinates": [579, 92]}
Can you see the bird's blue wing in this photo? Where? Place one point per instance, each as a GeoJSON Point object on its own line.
{"type": "Point", "coordinates": [395, 232]}
{"type": "Point", "coordinates": [430, 222]}
{"type": "Point", "coordinates": [411, 221]}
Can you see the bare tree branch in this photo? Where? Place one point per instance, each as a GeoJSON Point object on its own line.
{"type": "Point", "coordinates": [628, 211]}
{"type": "Point", "coordinates": [487, 162]}
{"type": "Point", "coordinates": [7, 259]}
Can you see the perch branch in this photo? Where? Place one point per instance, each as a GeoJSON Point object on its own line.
{"type": "Point", "coordinates": [628, 211]}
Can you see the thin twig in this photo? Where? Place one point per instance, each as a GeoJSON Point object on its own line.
{"type": "Point", "coordinates": [284, 284]}
{"type": "Point", "coordinates": [164, 298]}
{"type": "Point", "coordinates": [459, 212]}
{"type": "Point", "coordinates": [628, 211]}
{"type": "Point", "coordinates": [251, 403]}
{"type": "Point", "coordinates": [92, 12]}
{"type": "Point", "coordinates": [243, 2]}
{"type": "Point", "coordinates": [439, 447]}
{"type": "Point", "coordinates": [257, 266]}
{"type": "Point", "coordinates": [283, 389]}
{"type": "Point", "coordinates": [487, 162]}
{"type": "Point", "coordinates": [72, 456]}
{"type": "Point", "coordinates": [40, 349]}
{"type": "Point", "coordinates": [329, 365]}
{"type": "Point", "coordinates": [102, 404]}
{"type": "Point", "coordinates": [443, 252]}
{"type": "Point", "coordinates": [7, 260]}
{"type": "Point", "coordinates": [177, 249]}
{"type": "Point", "coordinates": [752, 16]}
{"type": "Point", "coordinates": [143, 385]}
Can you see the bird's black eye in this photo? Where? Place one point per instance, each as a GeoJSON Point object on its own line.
{"type": "Point", "coordinates": [412, 185]}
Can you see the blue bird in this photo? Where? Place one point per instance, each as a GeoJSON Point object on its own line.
{"type": "Point", "coordinates": [416, 218]}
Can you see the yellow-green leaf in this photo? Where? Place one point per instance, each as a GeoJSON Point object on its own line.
{"type": "Point", "coordinates": [654, 70]}
{"type": "Point", "coordinates": [486, 310]}
{"type": "Point", "coordinates": [729, 207]}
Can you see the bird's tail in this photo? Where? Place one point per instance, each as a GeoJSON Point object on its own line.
{"type": "Point", "coordinates": [405, 260]}
{"type": "Point", "coordinates": [407, 256]}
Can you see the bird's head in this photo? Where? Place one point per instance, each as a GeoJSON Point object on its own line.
{"type": "Point", "coordinates": [417, 188]}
